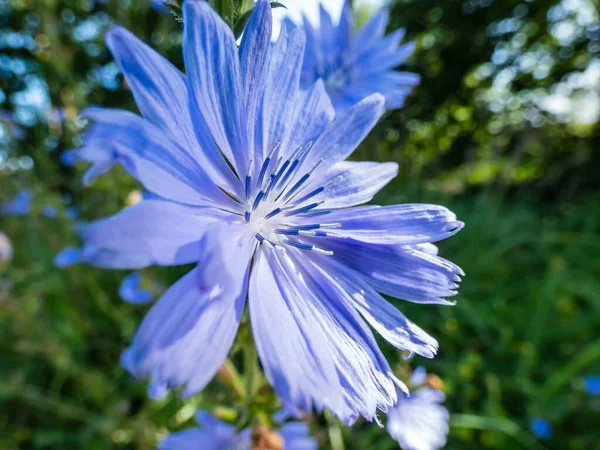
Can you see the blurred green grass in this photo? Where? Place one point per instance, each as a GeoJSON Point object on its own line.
{"type": "Point", "coordinates": [516, 345]}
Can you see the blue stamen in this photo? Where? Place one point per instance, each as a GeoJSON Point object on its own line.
{"type": "Point", "coordinates": [303, 209]}
{"type": "Point", "coordinates": [273, 213]}
{"type": "Point", "coordinates": [310, 195]}
{"type": "Point", "coordinates": [247, 215]}
{"type": "Point", "coordinates": [280, 172]}
{"type": "Point", "coordinates": [259, 237]}
{"type": "Point", "coordinates": [248, 186]}
{"type": "Point", "coordinates": [263, 170]}
{"type": "Point", "coordinates": [299, 245]}
{"type": "Point", "coordinates": [299, 183]}
{"type": "Point", "coordinates": [287, 232]}
{"type": "Point", "coordinates": [320, 212]}
{"type": "Point", "coordinates": [313, 226]}
{"type": "Point", "coordinates": [289, 173]}
{"type": "Point", "coordinates": [257, 200]}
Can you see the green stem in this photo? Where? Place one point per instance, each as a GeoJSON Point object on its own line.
{"type": "Point", "coordinates": [251, 371]}
{"type": "Point", "coordinates": [335, 433]}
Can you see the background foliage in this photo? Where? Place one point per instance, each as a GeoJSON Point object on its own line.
{"type": "Point", "coordinates": [503, 130]}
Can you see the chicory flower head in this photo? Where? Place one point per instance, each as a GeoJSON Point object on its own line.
{"type": "Point", "coordinates": [356, 65]}
{"type": "Point", "coordinates": [541, 428]}
{"type": "Point", "coordinates": [591, 383]}
{"type": "Point", "coordinates": [419, 422]}
{"type": "Point", "coordinates": [20, 205]}
{"type": "Point", "coordinates": [216, 435]}
{"type": "Point", "coordinates": [249, 181]}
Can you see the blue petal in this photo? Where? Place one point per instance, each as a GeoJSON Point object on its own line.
{"type": "Point", "coordinates": [346, 132]}
{"type": "Point", "coordinates": [328, 35]}
{"type": "Point", "coordinates": [314, 114]}
{"type": "Point", "coordinates": [358, 182]}
{"type": "Point", "coordinates": [386, 60]}
{"type": "Point", "coordinates": [281, 91]}
{"type": "Point", "coordinates": [187, 334]}
{"type": "Point", "coordinates": [150, 155]}
{"type": "Point", "coordinates": [67, 257]}
{"type": "Point", "coordinates": [254, 59]}
{"type": "Point", "coordinates": [150, 232]}
{"type": "Point", "coordinates": [336, 361]}
{"type": "Point", "coordinates": [346, 26]}
{"type": "Point", "coordinates": [213, 68]}
{"type": "Point", "coordinates": [130, 290]}
{"type": "Point", "coordinates": [365, 373]}
{"type": "Point", "coordinates": [403, 272]}
{"type": "Point", "coordinates": [381, 315]}
{"type": "Point", "coordinates": [371, 32]}
{"type": "Point", "coordinates": [163, 96]}
{"type": "Point", "coordinates": [159, 89]}
{"type": "Point", "coordinates": [284, 323]}
{"type": "Point", "coordinates": [396, 224]}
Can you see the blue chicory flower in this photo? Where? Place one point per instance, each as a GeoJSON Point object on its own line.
{"type": "Point", "coordinates": [67, 257]}
{"type": "Point", "coordinates": [216, 435]}
{"type": "Point", "coordinates": [6, 249]}
{"type": "Point", "coordinates": [250, 181]}
{"type": "Point", "coordinates": [356, 65]}
{"type": "Point", "coordinates": [20, 205]}
{"type": "Point", "coordinates": [419, 422]}
{"type": "Point", "coordinates": [49, 212]}
{"type": "Point", "coordinates": [131, 292]}
{"type": "Point", "coordinates": [541, 428]}
{"type": "Point", "coordinates": [591, 384]}
{"type": "Point", "coordinates": [71, 213]}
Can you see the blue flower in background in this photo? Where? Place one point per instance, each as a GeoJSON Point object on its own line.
{"type": "Point", "coordinates": [541, 428]}
{"type": "Point", "coordinates": [131, 292]}
{"type": "Point", "coordinates": [419, 422]}
{"type": "Point", "coordinates": [71, 213]}
{"type": "Point", "coordinates": [68, 256]}
{"type": "Point", "coordinates": [250, 181]}
{"type": "Point", "coordinates": [49, 212]}
{"type": "Point", "coordinates": [20, 205]}
{"type": "Point", "coordinates": [592, 385]}
{"type": "Point", "coordinates": [356, 65]}
{"type": "Point", "coordinates": [216, 435]}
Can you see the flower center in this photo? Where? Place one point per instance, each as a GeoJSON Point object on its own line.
{"type": "Point", "coordinates": [337, 80]}
{"type": "Point", "coordinates": [277, 203]}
